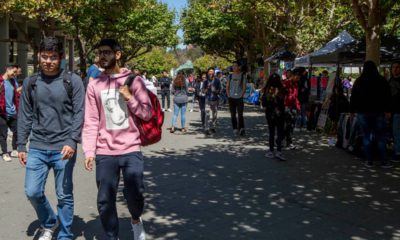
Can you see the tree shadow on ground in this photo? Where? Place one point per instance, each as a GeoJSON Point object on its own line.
{"type": "Point", "coordinates": [229, 190]}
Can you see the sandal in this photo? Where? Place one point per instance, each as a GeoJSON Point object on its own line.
{"type": "Point", "coordinates": [172, 130]}
{"type": "Point", "coordinates": [184, 130]}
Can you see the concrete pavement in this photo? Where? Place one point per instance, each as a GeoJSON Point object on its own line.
{"type": "Point", "coordinates": [222, 187]}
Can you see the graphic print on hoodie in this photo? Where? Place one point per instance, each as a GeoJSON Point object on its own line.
{"type": "Point", "coordinates": [115, 109]}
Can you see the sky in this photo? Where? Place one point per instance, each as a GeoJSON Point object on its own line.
{"type": "Point", "coordinates": [177, 5]}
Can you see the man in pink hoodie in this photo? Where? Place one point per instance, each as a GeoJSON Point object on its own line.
{"type": "Point", "coordinates": [111, 138]}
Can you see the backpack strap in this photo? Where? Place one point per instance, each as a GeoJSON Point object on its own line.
{"type": "Point", "coordinates": [68, 83]}
{"type": "Point", "coordinates": [129, 80]}
{"type": "Point", "coordinates": [32, 86]}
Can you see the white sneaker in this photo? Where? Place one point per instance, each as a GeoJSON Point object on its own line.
{"type": "Point", "coordinates": [280, 156]}
{"type": "Point", "coordinates": [6, 157]}
{"type": "Point", "coordinates": [269, 154]}
{"type": "Point", "coordinates": [14, 153]}
{"type": "Point", "coordinates": [169, 110]}
{"type": "Point", "coordinates": [47, 233]}
{"type": "Point", "coordinates": [138, 231]}
{"type": "Point", "coordinates": [291, 147]}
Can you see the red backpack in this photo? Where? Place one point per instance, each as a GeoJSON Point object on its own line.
{"type": "Point", "coordinates": [151, 130]}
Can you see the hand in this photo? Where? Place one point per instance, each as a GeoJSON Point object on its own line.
{"type": "Point", "coordinates": [89, 163]}
{"type": "Point", "coordinates": [22, 156]}
{"type": "Point", "coordinates": [124, 90]}
{"type": "Point", "coordinates": [67, 152]}
{"type": "Point", "coordinates": [19, 89]}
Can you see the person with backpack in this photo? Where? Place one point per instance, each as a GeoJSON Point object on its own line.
{"type": "Point", "coordinates": [51, 116]}
{"type": "Point", "coordinates": [235, 89]}
{"type": "Point", "coordinates": [9, 98]}
{"type": "Point", "coordinates": [112, 134]}
{"type": "Point", "coordinates": [165, 84]}
{"type": "Point", "coordinates": [211, 88]}
{"type": "Point", "coordinates": [273, 101]}
{"type": "Point", "coordinates": [180, 92]}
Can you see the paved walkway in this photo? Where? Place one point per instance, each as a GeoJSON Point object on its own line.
{"type": "Point", "coordinates": [222, 187]}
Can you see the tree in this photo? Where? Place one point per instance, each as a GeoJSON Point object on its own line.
{"type": "Point", "coordinates": [155, 62]}
{"type": "Point", "coordinates": [206, 61]}
{"type": "Point", "coordinates": [372, 15]}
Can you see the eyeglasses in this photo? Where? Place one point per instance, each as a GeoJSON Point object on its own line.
{"type": "Point", "coordinates": [52, 57]}
{"type": "Point", "coordinates": [105, 52]}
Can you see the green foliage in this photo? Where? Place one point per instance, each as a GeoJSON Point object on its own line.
{"type": "Point", "coordinates": [155, 61]}
{"type": "Point", "coordinates": [206, 61]}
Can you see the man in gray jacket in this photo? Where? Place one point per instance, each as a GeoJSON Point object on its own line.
{"type": "Point", "coordinates": [51, 113]}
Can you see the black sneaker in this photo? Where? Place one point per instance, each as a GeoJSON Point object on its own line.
{"type": "Point", "coordinates": [212, 130]}
{"type": "Point", "coordinates": [368, 164]}
{"type": "Point", "coordinates": [386, 165]}
{"type": "Point", "coordinates": [207, 132]}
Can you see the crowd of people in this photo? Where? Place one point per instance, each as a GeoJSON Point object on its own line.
{"type": "Point", "coordinates": [55, 110]}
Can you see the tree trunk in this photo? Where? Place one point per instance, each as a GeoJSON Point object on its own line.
{"type": "Point", "coordinates": [373, 43]}
{"type": "Point", "coordinates": [373, 33]}
{"type": "Point", "coordinates": [82, 55]}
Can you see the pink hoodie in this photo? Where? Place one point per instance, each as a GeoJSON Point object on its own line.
{"type": "Point", "coordinates": [109, 127]}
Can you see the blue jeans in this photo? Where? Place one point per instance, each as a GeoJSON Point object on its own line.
{"type": "Point", "coordinates": [179, 107]}
{"type": "Point", "coordinates": [373, 125]}
{"type": "Point", "coordinates": [396, 133]}
{"type": "Point", "coordinates": [37, 169]}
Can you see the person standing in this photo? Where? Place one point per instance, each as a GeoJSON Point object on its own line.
{"type": "Point", "coordinates": [273, 101]}
{"type": "Point", "coordinates": [51, 115]}
{"type": "Point", "coordinates": [165, 84]}
{"type": "Point", "coordinates": [292, 106]}
{"type": "Point", "coordinates": [9, 98]}
{"type": "Point", "coordinates": [395, 88]}
{"type": "Point", "coordinates": [111, 136]}
{"type": "Point", "coordinates": [371, 100]}
{"type": "Point", "coordinates": [235, 90]}
{"type": "Point", "coordinates": [212, 88]}
{"type": "Point", "coordinates": [303, 95]}
{"type": "Point", "coordinates": [179, 90]}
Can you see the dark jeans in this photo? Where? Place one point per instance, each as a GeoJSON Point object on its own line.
{"type": "Point", "coordinates": [275, 123]}
{"type": "Point", "coordinates": [236, 105]}
{"type": "Point", "coordinates": [314, 114]}
{"type": "Point", "coordinates": [108, 169]}
{"type": "Point", "coordinates": [290, 122]}
{"type": "Point", "coordinates": [165, 95]}
{"type": "Point", "coordinates": [6, 123]}
{"type": "Point", "coordinates": [373, 125]}
{"type": "Point", "coordinates": [202, 107]}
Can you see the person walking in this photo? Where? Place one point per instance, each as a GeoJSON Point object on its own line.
{"type": "Point", "coordinates": [165, 84]}
{"type": "Point", "coordinates": [111, 136]}
{"type": "Point", "coordinates": [235, 90]}
{"type": "Point", "coordinates": [395, 88]}
{"type": "Point", "coordinates": [201, 96]}
{"type": "Point", "coordinates": [371, 101]}
{"type": "Point", "coordinates": [180, 92]}
{"type": "Point", "coordinates": [9, 98]}
{"type": "Point", "coordinates": [273, 101]}
{"type": "Point", "coordinates": [212, 88]}
{"type": "Point", "coordinates": [51, 116]}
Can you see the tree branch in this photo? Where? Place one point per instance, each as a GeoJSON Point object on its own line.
{"type": "Point", "coordinates": [359, 14]}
